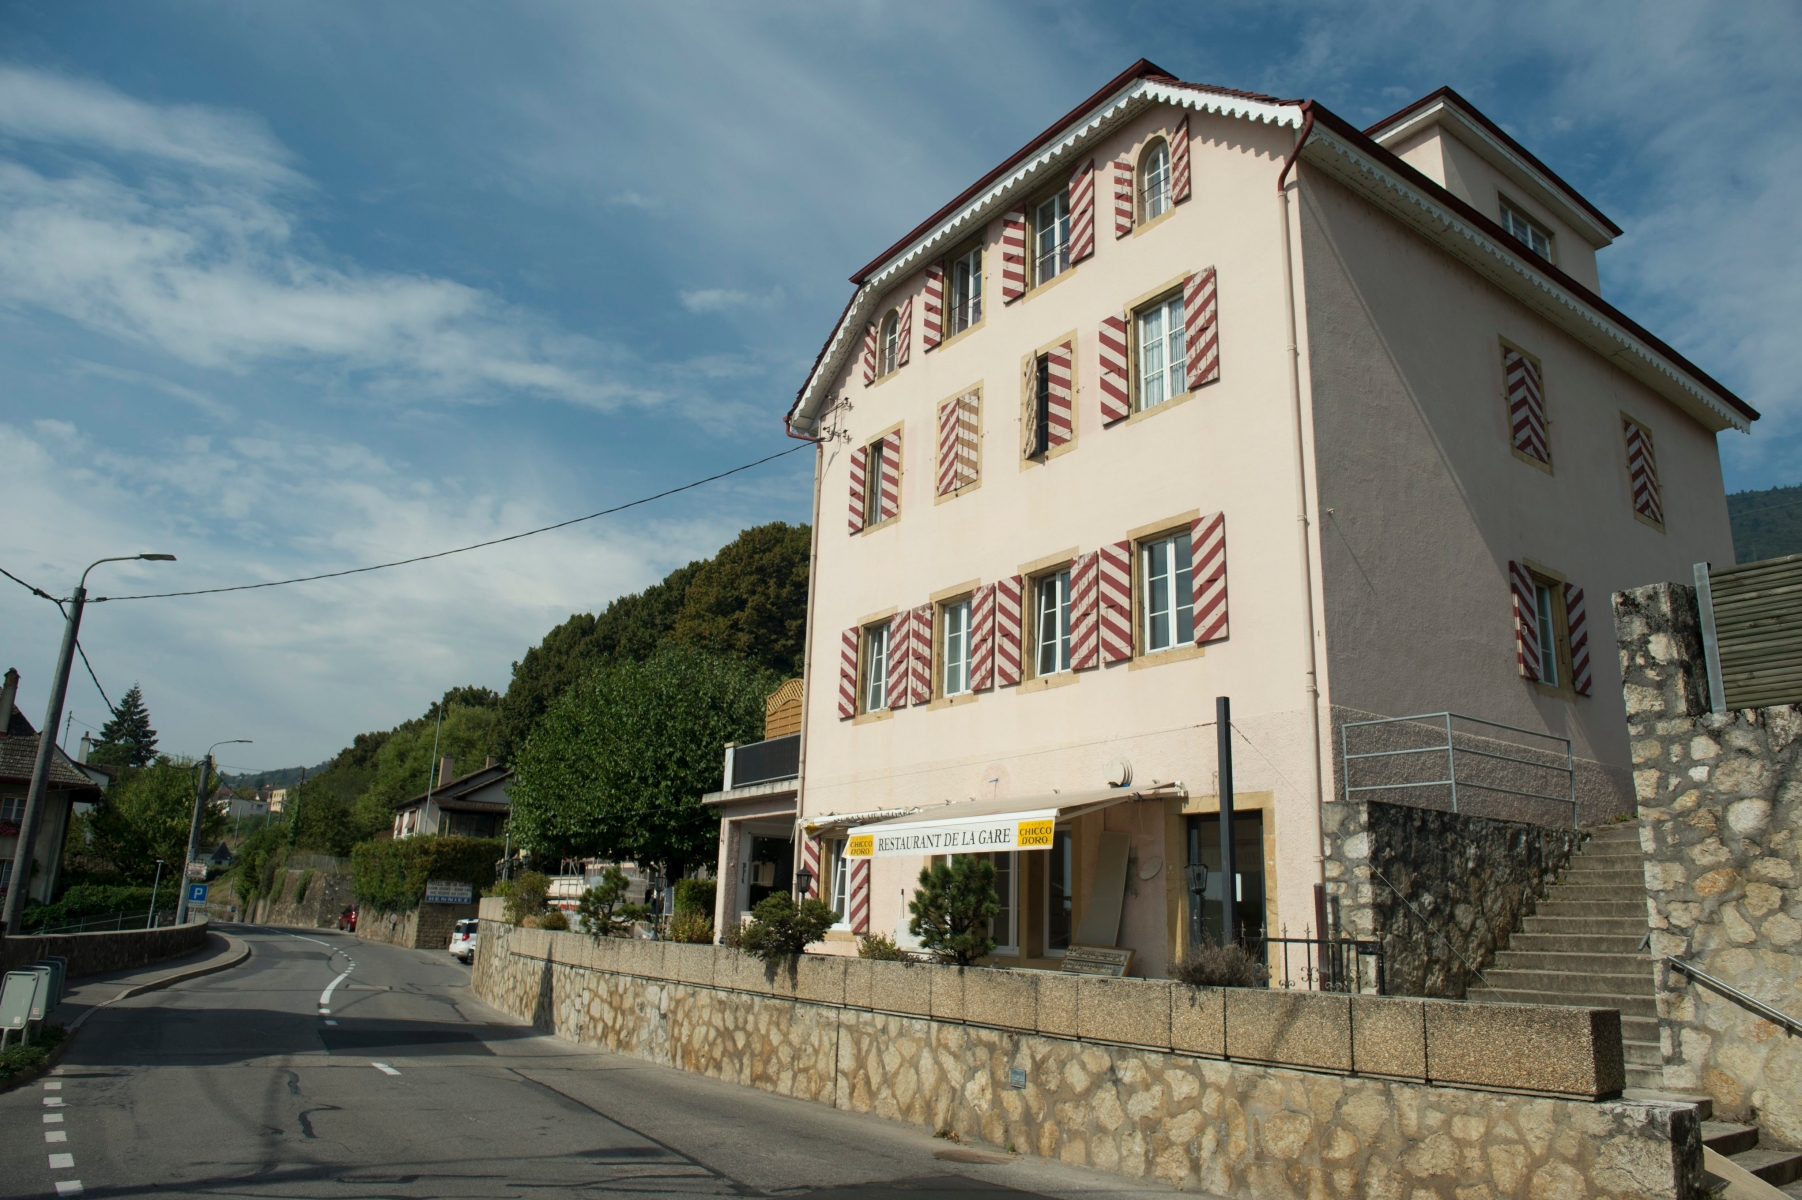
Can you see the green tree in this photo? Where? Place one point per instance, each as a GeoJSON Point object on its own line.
{"type": "Point", "coordinates": [603, 909]}
{"type": "Point", "coordinates": [127, 740]}
{"type": "Point", "coordinates": [780, 929]}
{"type": "Point", "coordinates": [618, 765]}
{"type": "Point", "coordinates": [145, 815]}
{"type": "Point", "coordinates": [953, 909]}
{"type": "Point", "coordinates": [405, 765]}
{"type": "Point", "coordinates": [750, 599]}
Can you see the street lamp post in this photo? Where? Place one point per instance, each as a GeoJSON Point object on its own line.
{"type": "Point", "coordinates": [40, 769]}
{"type": "Point", "coordinates": [206, 769]}
{"type": "Point", "coordinates": [150, 917]}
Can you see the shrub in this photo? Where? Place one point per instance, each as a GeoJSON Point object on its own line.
{"type": "Point", "coordinates": [300, 889]}
{"type": "Point", "coordinates": [695, 895]}
{"type": "Point", "coordinates": [733, 935]}
{"type": "Point", "coordinates": [952, 909]}
{"type": "Point", "coordinates": [553, 918]}
{"type": "Point", "coordinates": [1220, 966]}
{"type": "Point", "coordinates": [780, 929]}
{"type": "Point", "coordinates": [389, 874]}
{"type": "Point", "coordinates": [880, 946]}
{"type": "Point", "coordinates": [602, 908]}
{"type": "Point", "coordinates": [691, 926]}
{"type": "Point", "coordinates": [94, 900]}
{"type": "Point", "coordinates": [20, 1058]}
{"type": "Point", "coordinates": [530, 888]}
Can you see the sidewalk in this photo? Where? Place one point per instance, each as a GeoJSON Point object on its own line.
{"type": "Point", "coordinates": [91, 992]}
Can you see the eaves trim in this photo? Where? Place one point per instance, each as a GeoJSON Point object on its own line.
{"type": "Point", "coordinates": [1494, 258]}
{"type": "Point", "coordinates": [1127, 102]}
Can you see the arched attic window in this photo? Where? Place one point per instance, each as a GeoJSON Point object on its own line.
{"type": "Point", "coordinates": [889, 343]}
{"type": "Point", "coordinates": [1154, 180]}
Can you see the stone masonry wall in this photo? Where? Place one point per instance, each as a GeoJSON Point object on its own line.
{"type": "Point", "coordinates": [1720, 817]}
{"type": "Point", "coordinates": [1469, 880]}
{"type": "Point", "coordinates": [113, 950]}
{"type": "Point", "coordinates": [1233, 1128]}
{"type": "Point", "coordinates": [428, 927]}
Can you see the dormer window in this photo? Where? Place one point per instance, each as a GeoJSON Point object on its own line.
{"type": "Point", "coordinates": [889, 346]}
{"type": "Point", "coordinates": [966, 290]}
{"type": "Point", "coordinates": [1051, 237]}
{"type": "Point", "coordinates": [1528, 232]}
{"type": "Point", "coordinates": [1154, 181]}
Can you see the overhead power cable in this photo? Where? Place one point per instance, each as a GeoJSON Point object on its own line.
{"type": "Point", "coordinates": [512, 537]}
{"type": "Point", "coordinates": [36, 591]}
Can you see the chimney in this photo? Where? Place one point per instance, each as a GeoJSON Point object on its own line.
{"type": "Point", "coordinates": [447, 769]}
{"type": "Point", "coordinates": [7, 694]}
{"type": "Point", "coordinates": [87, 747]}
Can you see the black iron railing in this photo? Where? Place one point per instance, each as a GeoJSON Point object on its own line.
{"type": "Point", "coordinates": [1330, 964]}
{"type": "Point", "coordinates": [760, 762]}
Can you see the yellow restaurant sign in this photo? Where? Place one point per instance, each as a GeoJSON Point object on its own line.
{"type": "Point", "coordinates": [965, 835]}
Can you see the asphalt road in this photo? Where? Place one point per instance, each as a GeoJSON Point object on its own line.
{"type": "Point", "coordinates": [243, 1084]}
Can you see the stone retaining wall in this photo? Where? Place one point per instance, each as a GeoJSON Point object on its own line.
{"type": "Point", "coordinates": [428, 927]}
{"type": "Point", "coordinates": [1468, 881]}
{"type": "Point", "coordinates": [112, 950]}
{"type": "Point", "coordinates": [1720, 817]}
{"type": "Point", "coordinates": [938, 1047]}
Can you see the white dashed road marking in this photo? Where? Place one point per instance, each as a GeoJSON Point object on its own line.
{"type": "Point", "coordinates": [53, 1101]}
{"type": "Point", "coordinates": [68, 1187]}
{"type": "Point", "coordinates": [331, 1022]}
{"type": "Point", "coordinates": [53, 1086]}
{"type": "Point", "coordinates": [384, 1068]}
{"type": "Point", "coordinates": [52, 1118]}
{"type": "Point", "coordinates": [56, 1135]}
{"type": "Point", "coordinates": [62, 1162]}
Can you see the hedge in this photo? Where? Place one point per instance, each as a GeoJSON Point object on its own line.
{"type": "Point", "coordinates": [389, 875]}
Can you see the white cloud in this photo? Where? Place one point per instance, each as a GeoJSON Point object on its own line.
{"type": "Point", "coordinates": [708, 300]}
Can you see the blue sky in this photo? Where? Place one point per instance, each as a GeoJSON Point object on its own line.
{"type": "Point", "coordinates": [289, 288]}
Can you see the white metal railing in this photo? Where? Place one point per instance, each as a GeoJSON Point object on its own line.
{"type": "Point", "coordinates": [1442, 722]}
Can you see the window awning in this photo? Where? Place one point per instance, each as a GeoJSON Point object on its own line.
{"type": "Point", "coordinates": [986, 826]}
{"type": "Point", "coordinates": [831, 822]}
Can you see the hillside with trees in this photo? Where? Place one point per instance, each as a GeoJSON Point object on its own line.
{"type": "Point", "coordinates": [1766, 524]}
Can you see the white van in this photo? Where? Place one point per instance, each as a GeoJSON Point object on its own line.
{"type": "Point", "coordinates": [463, 940]}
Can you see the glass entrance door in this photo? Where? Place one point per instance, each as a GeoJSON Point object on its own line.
{"type": "Point", "coordinates": [1248, 886]}
{"type": "Point", "coordinates": [768, 867]}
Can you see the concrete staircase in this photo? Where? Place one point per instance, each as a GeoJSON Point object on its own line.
{"type": "Point", "coordinates": [1582, 947]}
{"type": "Point", "coordinates": [1781, 1169]}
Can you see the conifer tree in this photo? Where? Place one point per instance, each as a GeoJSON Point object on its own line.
{"type": "Point", "coordinates": [127, 740]}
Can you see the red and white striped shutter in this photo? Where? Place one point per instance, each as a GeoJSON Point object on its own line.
{"type": "Point", "coordinates": [1013, 255]}
{"type": "Point", "coordinates": [1113, 375]}
{"type": "Point", "coordinates": [1526, 621]}
{"type": "Point", "coordinates": [847, 674]}
{"type": "Point", "coordinates": [904, 332]}
{"type": "Point", "coordinates": [982, 639]}
{"type": "Point", "coordinates": [860, 465]}
{"type": "Point", "coordinates": [1526, 405]}
{"type": "Point", "coordinates": [900, 657]}
{"type": "Point", "coordinates": [1179, 161]}
{"type": "Point", "coordinates": [1082, 212]}
{"type": "Point", "coordinates": [1116, 602]}
{"type": "Point", "coordinates": [860, 894]}
{"type": "Point", "coordinates": [948, 425]}
{"type": "Point", "coordinates": [810, 858]}
{"type": "Point", "coordinates": [1577, 617]}
{"type": "Point", "coordinates": [932, 307]}
{"type": "Point", "coordinates": [1643, 469]}
{"type": "Point", "coordinates": [1063, 406]}
{"type": "Point", "coordinates": [919, 688]}
{"type": "Point", "coordinates": [1007, 630]}
{"type": "Point", "coordinates": [968, 406]}
{"type": "Point", "coordinates": [891, 476]}
{"type": "Point", "coordinates": [1123, 197]}
{"type": "Point", "coordinates": [1201, 329]}
{"type": "Point", "coordinates": [1207, 554]}
{"type": "Point", "coordinates": [869, 355]}
{"type": "Point", "coordinates": [1085, 612]}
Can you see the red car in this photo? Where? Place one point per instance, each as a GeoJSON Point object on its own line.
{"type": "Point", "coordinates": [347, 921]}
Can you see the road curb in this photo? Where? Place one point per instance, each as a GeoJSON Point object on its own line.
{"type": "Point", "coordinates": [238, 952]}
{"type": "Point", "coordinates": [49, 1063]}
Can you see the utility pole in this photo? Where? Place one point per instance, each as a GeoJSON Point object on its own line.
{"type": "Point", "coordinates": [206, 769]}
{"type": "Point", "coordinates": [40, 768]}
{"type": "Point", "coordinates": [1229, 876]}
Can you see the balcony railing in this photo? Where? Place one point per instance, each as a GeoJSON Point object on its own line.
{"type": "Point", "coordinates": [764, 762]}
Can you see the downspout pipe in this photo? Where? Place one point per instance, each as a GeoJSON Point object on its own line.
{"type": "Point", "coordinates": [1301, 498]}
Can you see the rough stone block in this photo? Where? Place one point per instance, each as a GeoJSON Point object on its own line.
{"type": "Point", "coordinates": [1529, 1047]}
{"type": "Point", "coordinates": [1198, 1020]}
{"type": "Point", "coordinates": [747, 972]}
{"type": "Point", "coordinates": [820, 978]}
{"type": "Point", "coordinates": [901, 987]}
{"type": "Point", "coordinates": [1300, 1029]}
{"type": "Point", "coordinates": [1389, 1037]}
{"type": "Point", "coordinates": [1134, 1011]}
{"type": "Point", "coordinates": [947, 992]}
{"type": "Point", "coordinates": [692, 964]}
{"type": "Point", "coordinates": [857, 982]}
{"type": "Point", "coordinates": [1057, 1004]}
{"type": "Point", "coordinates": [1002, 998]}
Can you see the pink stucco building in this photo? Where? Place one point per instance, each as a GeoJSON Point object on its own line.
{"type": "Point", "coordinates": [1203, 393]}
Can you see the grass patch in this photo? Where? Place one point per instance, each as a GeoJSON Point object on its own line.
{"type": "Point", "coordinates": [17, 1060]}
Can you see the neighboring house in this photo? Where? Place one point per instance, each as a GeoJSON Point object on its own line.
{"type": "Point", "coordinates": [1203, 393]}
{"type": "Point", "coordinates": [275, 799]}
{"type": "Point", "coordinates": [757, 810]}
{"type": "Point", "coordinates": [227, 801]}
{"type": "Point", "coordinates": [472, 805]}
{"type": "Point", "coordinates": [69, 784]}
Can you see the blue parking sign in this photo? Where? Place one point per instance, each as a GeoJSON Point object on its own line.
{"type": "Point", "coordinates": [197, 893]}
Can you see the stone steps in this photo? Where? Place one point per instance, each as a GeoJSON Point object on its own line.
{"type": "Point", "coordinates": [1632, 926]}
{"type": "Point", "coordinates": [1625, 893]}
{"type": "Point", "coordinates": [1775, 1167]}
{"type": "Point", "coordinates": [1638, 1006]}
{"type": "Point", "coordinates": [1644, 1054]}
{"type": "Point", "coordinates": [1573, 983]}
{"type": "Point", "coordinates": [1629, 966]}
{"type": "Point", "coordinates": [1624, 945]}
{"type": "Point", "coordinates": [1724, 1137]}
{"type": "Point", "coordinates": [1631, 910]}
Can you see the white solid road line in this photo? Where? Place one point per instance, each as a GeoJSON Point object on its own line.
{"type": "Point", "coordinates": [325, 997]}
{"type": "Point", "coordinates": [384, 1068]}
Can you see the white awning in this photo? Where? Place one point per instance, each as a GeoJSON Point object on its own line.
{"type": "Point", "coordinates": [827, 822]}
{"type": "Point", "coordinates": [986, 826]}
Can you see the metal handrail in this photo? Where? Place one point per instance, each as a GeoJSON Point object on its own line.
{"type": "Point", "coordinates": [1790, 1025]}
{"type": "Point", "coordinates": [1452, 750]}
